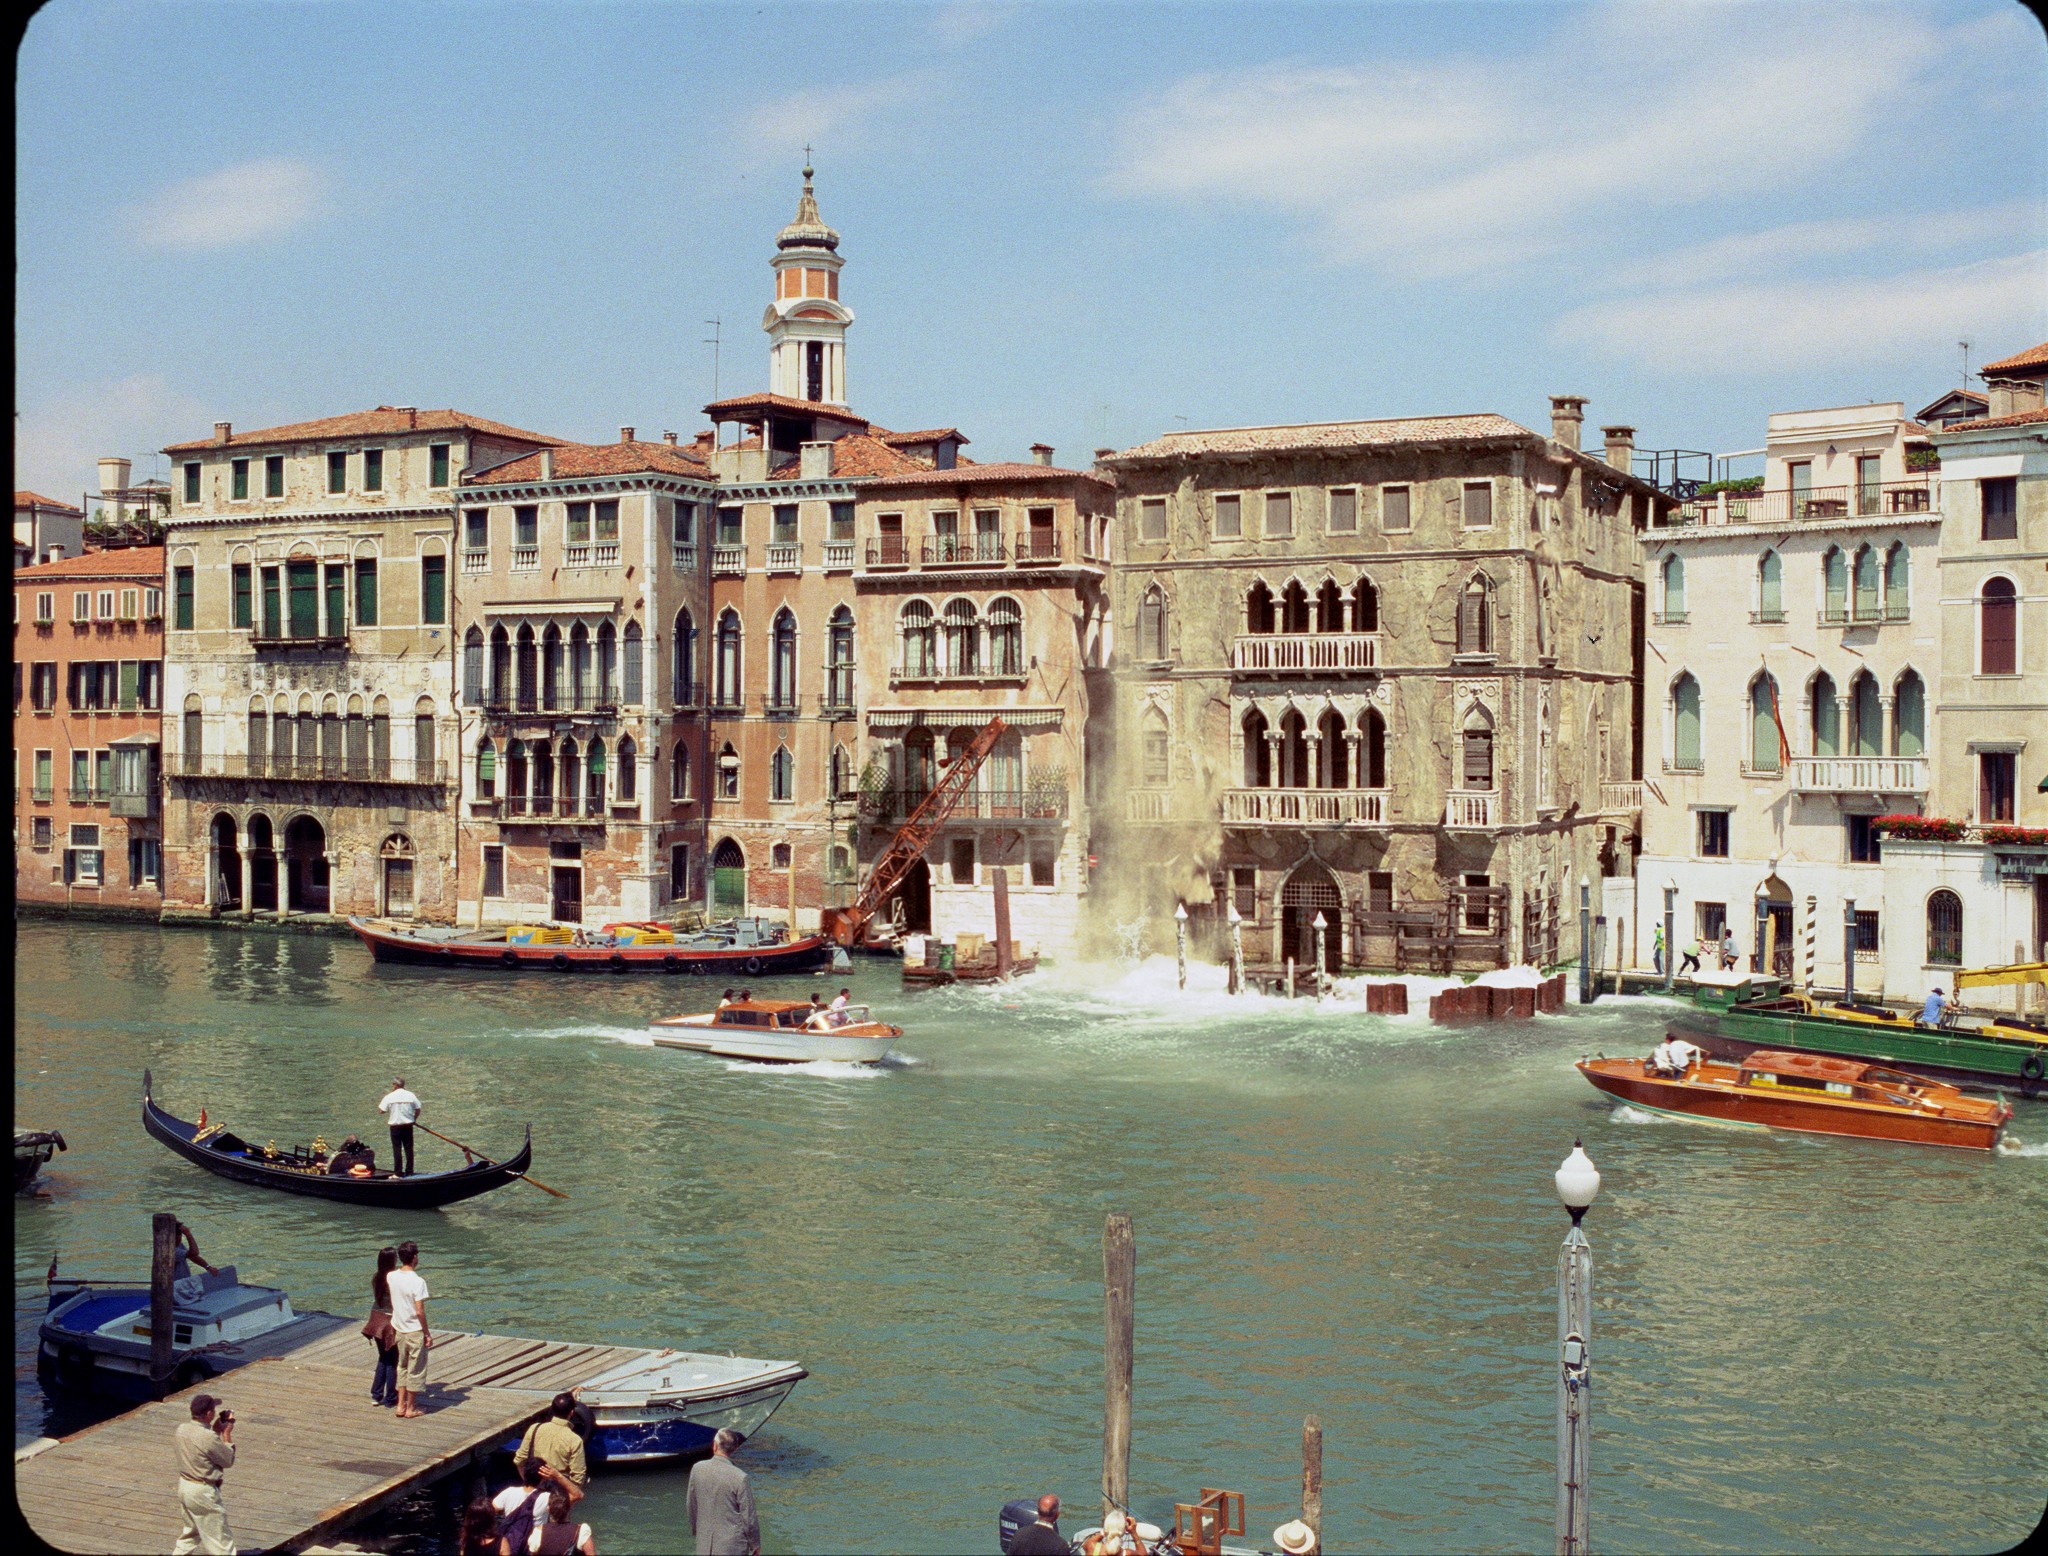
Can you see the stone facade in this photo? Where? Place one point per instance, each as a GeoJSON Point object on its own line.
{"type": "Point", "coordinates": [88, 695]}
{"type": "Point", "coordinates": [1380, 672]}
{"type": "Point", "coordinates": [309, 663]}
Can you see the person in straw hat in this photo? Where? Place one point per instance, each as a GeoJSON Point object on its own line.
{"type": "Point", "coordinates": [1295, 1538]}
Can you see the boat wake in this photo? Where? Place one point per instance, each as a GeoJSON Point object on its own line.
{"type": "Point", "coordinates": [2011, 1147]}
{"type": "Point", "coordinates": [829, 1069]}
{"type": "Point", "coordinates": [1625, 1114]}
{"type": "Point", "coordinates": [637, 1037]}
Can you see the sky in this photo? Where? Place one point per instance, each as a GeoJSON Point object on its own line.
{"type": "Point", "coordinates": [1078, 224]}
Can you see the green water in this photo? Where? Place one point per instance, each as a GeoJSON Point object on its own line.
{"type": "Point", "coordinates": [1800, 1344]}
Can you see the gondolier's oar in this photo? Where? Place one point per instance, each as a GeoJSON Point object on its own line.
{"type": "Point", "coordinates": [467, 1151]}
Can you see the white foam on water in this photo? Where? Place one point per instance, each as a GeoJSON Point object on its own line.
{"type": "Point", "coordinates": [2011, 1147]}
{"type": "Point", "coordinates": [637, 1037]}
{"type": "Point", "coordinates": [1632, 1115]}
{"type": "Point", "coordinates": [1150, 990]}
{"type": "Point", "coordinates": [830, 1069]}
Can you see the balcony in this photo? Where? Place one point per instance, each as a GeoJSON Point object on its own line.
{"type": "Point", "coordinates": [43, 794]}
{"type": "Point", "coordinates": [785, 556]}
{"type": "Point", "coordinates": [1306, 807]}
{"type": "Point", "coordinates": [84, 794]}
{"type": "Point", "coordinates": [1859, 774]}
{"type": "Point", "coordinates": [838, 556]}
{"type": "Point", "coordinates": [969, 551]}
{"type": "Point", "coordinates": [1037, 546]}
{"type": "Point", "coordinates": [683, 557]}
{"type": "Point", "coordinates": [262, 638]}
{"type": "Point", "coordinates": [1916, 497]}
{"type": "Point", "coordinates": [476, 561]}
{"type": "Point", "coordinates": [525, 559]}
{"type": "Point", "coordinates": [604, 553]}
{"type": "Point", "coordinates": [132, 804]}
{"type": "Point", "coordinates": [312, 769]}
{"type": "Point", "coordinates": [889, 551]}
{"type": "Point", "coordinates": [690, 695]}
{"type": "Point", "coordinates": [575, 556]}
{"type": "Point", "coordinates": [780, 707]}
{"type": "Point", "coordinates": [1472, 810]}
{"type": "Point", "coordinates": [1863, 613]}
{"type": "Point", "coordinates": [1307, 653]}
{"type": "Point", "coordinates": [891, 807]}
{"type": "Point", "coordinates": [837, 705]}
{"type": "Point", "coordinates": [1621, 799]}
{"type": "Point", "coordinates": [1146, 804]}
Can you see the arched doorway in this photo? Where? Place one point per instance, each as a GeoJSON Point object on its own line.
{"type": "Point", "coordinates": [305, 866]}
{"type": "Point", "coordinates": [1307, 892]}
{"type": "Point", "coordinates": [227, 864]}
{"type": "Point", "coordinates": [911, 904]}
{"type": "Point", "coordinates": [262, 865]}
{"type": "Point", "coordinates": [1776, 897]}
{"type": "Point", "coordinates": [728, 878]}
{"type": "Point", "coordinates": [396, 863]}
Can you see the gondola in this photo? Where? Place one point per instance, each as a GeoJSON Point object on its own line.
{"type": "Point", "coordinates": [233, 1156]}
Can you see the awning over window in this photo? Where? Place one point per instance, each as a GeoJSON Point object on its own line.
{"type": "Point", "coordinates": [1016, 718]}
{"type": "Point", "coordinates": [144, 739]}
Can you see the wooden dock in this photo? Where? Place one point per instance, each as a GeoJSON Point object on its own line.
{"type": "Point", "coordinates": [313, 1455]}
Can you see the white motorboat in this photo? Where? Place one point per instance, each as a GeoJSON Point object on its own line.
{"type": "Point", "coordinates": [779, 1032]}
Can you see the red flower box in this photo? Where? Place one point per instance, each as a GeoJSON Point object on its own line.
{"type": "Point", "coordinates": [2021, 837]}
{"type": "Point", "coordinates": [1922, 829]}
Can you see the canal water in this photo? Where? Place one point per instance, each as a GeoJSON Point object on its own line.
{"type": "Point", "coordinates": [1800, 1344]}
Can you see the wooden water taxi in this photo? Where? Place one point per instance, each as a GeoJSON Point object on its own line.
{"type": "Point", "coordinates": [755, 948]}
{"type": "Point", "coordinates": [1811, 1093]}
{"type": "Point", "coordinates": [779, 1032]}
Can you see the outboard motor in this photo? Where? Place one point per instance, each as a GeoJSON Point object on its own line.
{"type": "Point", "coordinates": [1014, 1516]}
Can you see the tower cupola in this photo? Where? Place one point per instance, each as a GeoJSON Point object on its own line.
{"type": "Point", "coordinates": [806, 323]}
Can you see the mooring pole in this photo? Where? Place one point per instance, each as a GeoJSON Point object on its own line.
{"type": "Point", "coordinates": [1312, 1478]}
{"type": "Point", "coordinates": [1290, 977]}
{"type": "Point", "coordinates": [1578, 1182]}
{"type": "Point", "coordinates": [1002, 889]}
{"type": "Point", "coordinates": [1849, 951]}
{"type": "Point", "coordinates": [1763, 912]}
{"type": "Point", "coordinates": [1180, 940]}
{"type": "Point", "coordinates": [1620, 940]}
{"type": "Point", "coordinates": [1321, 925]}
{"type": "Point", "coordinates": [163, 1257]}
{"type": "Point", "coordinates": [1585, 941]}
{"type": "Point", "coordinates": [1236, 950]}
{"type": "Point", "coordinates": [1812, 929]}
{"type": "Point", "coordinates": [1670, 967]}
{"type": "Point", "coordinates": [1119, 1291]}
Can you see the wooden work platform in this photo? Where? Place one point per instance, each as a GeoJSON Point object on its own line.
{"type": "Point", "coordinates": [313, 1455]}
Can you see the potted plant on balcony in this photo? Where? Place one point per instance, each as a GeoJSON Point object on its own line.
{"type": "Point", "coordinates": [1919, 829]}
{"type": "Point", "coordinates": [2016, 837]}
{"type": "Point", "coordinates": [1045, 798]}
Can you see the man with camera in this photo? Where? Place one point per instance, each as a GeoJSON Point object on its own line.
{"type": "Point", "coordinates": [205, 1446]}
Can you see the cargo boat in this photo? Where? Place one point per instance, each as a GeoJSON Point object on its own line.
{"type": "Point", "coordinates": [750, 947]}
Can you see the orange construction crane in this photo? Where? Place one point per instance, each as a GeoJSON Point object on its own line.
{"type": "Point", "coordinates": [844, 925]}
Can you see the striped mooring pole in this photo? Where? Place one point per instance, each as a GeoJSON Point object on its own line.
{"type": "Point", "coordinates": [1812, 915]}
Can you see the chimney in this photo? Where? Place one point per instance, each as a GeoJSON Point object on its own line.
{"type": "Point", "coordinates": [626, 434]}
{"type": "Point", "coordinates": [669, 438]}
{"type": "Point", "coordinates": [1041, 453]}
{"type": "Point", "coordinates": [814, 460]}
{"type": "Point", "coordinates": [703, 443]}
{"type": "Point", "coordinates": [1567, 417]}
{"type": "Point", "coordinates": [547, 464]}
{"type": "Point", "coordinates": [114, 473]}
{"type": "Point", "coordinates": [411, 413]}
{"type": "Point", "coordinates": [1621, 448]}
{"type": "Point", "coordinates": [222, 430]}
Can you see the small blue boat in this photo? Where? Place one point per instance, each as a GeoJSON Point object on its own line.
{"type": "Point", "coordinates": [669, 1403]}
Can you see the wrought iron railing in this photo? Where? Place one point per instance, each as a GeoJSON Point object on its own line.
{"type": "Point", "coordinates": [964, 551]}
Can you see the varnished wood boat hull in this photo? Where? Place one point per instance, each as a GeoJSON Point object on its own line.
{"type": "Point", "coordinates": [795, 956]}
{"type": "Point", "coordinates": [1774, 1109]}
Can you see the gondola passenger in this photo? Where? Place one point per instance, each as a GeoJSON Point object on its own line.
{"type": "Point", "coordinates": [351, 1155]}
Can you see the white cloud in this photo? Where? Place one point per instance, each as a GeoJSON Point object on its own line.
{"type": "Point", "coordinates": [1775, 326]}
{"type": "Point", "coordinates": [242, 204]}
{"type": "Point", "coordinates": [1626, 113]}
{"type": "Point", "coordinates": [840, 117]}
{"type": "Point", "coordinates": [57, 442]}
{"type": "Point", "coordinates": [965, 20]}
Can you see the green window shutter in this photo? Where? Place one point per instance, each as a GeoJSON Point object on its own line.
{"type": "Point", "coordinates": [1910, 714]}
{"type": "Point", "coordinates": [337, 601]}
{"type": "Point", "coordinates": [1686, 746]}
{"type": "Point", "coordinates": [1837, 584]}
{"type": "Point", "coordinates": [1869, 721]}
{"type": "Point", "coordinates": [182, 587]}
{"type": "Point", "coordinates": [192, 482]}
{"type": "Point", "coordinates": [1771, 589]}
{"type": "Point", "coordinates": [487, 764]}
{"type": "Point", "coordinates": [433, 590]}
{"type": "Point", "coordinates": [337, 472]}
{"type": "Point", "coordinates": [1897, 576]}
{"type": "Point", "coordinates": [366, 592]}
{"type": "Point", "coordinates": [129, 669]}
{"type": "Point", "coordinates": [373, 470]}
{"type": "Point", "coordinates": [242, 616]}
{"type": "Point", "coordinates": [438, 459]}
{"type": "Point", "coordinates": [273, 612]}
{"type": "Point", "coordinates": [238, 473]}
{"type": "Point", "coordinates": [273, 476]}
{"type": "Point", "coordinates": [597, 759]}
{"type": "Point", "coordinates": [303, 588]}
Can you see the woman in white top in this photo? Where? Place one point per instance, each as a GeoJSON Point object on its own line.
{"type": "Point", "coordinates": [557, 1536]}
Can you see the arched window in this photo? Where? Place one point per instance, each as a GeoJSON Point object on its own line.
{"type": "Point", "coordinates": [1770, 587]}
{"type": "Point", "coordinates": [515, 778]}
{"type": "Point", "coordinates": [1475, 618]}
{"type": "Point", "coordinates": [728, 876]}
{"type": "Point", "coordinates": [963, 638]}
{"type": "Point", "coordinates": [782, 661]}
{"type": "Point", "coordinates": [626, 783]}
{"type": "Point", "coordinates": [501, 668]}
{"type": "Point", "coordinates": [1372, 751]}
{"type": "Point", "coordinates": [1674, 589]}
{"type": "Point", "coordinates": [1333, 765]}
{"type": "Point", "coordinates": [782, 775]}
{"type": "Point", "coordinates": [1868, 604]}
{"type": "Point", "coordinates": [569, 769]}
{"type": "Point", "coordinates": [920, 654]}
{"type": "Point", "coordinates": [1685, 724]}
{"type": "Point", "coordinates": [473, 667]}
{"type": "Point", "coordinates": [542, 764]}
{"type": "Point", "coordinates": [679, 771]}
{"type": "Point", "coordinates": [425, 744]}
{"type": "Point", "coordinates": [1998, 628]}
{"type": "Point", "coordinates": [1005, 637]}
{"type": "Point", "coordinates": [726, 672]}
{"type": "Point", "coordinates": [1293, 608]}
{"type": "Point", "coordinates": [728, 772]}
{"type": "Point", "coordinates": [1477, 742]}
{"type": "Point", "coordinates": [1258, 752]}
{"type": "Point", "coordinates": [607, 665]}
{"type": "Point", "coordinates": [527, 671]}
{"type": "Point", "coordinates": [1152, 624]}
{"type": "Point", "coordinates": [683, 662]}
{"type": "Point", "coordinates": [1834, 573]}
{"type": "Point", "coordinates": [1155, 750]}
{"type": "Point", "coordinates": [843, 782]}
{"type": "Point", "coordinates": [1898, 582]}
{"type": "Point", "coordinates": [839, 659]}
{"type": "Point", "coordinates": [593, 779]}
{"type": "Point", "coordinates": [920, 764]}
{"type": "Point", "coordinates": [1258, 608]}
{"type": "Point", "coordinates": [582, 687]}
{"type": "Point", "coordinates": [1909, 715]}
{"type": "Point", "coordinates": [486, 770]}
{"type": "Point", "coordinates": [1826, 722]}
{"type": "Point", "coordinates": [551, 667]}
{"type": "Point", "coordinates": [1365, 606]}
{"type": "Point", "coordinates": [1766, 750]}
{"type": "Point", "coordinates": [1945, 928]}
{"type": "Point", "coordinates": [630, 668]}
{"type": "Point", "coordinates": [1329, 607]}
{"type": "Point", "coordinates": [1293, 773]}
{"type": "Point", "coordinates": [1866, 720]}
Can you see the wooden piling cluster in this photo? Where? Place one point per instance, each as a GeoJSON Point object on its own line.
{"type": "Point", "coordinates": [1386, 999]}
{"type": "Point", "coordinates": [1497, 1002]}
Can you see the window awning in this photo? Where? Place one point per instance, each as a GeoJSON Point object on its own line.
{"type": "Point", "coordinates": [1016, 718]}
{"type": "Point", "coordinates": [144, 739]}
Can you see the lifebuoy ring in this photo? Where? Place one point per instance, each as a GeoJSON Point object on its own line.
{"type": "Point", "coordinates": [753, 965]}
{"type": "Point", "coordinates": [560, 961]}
{"type": "Point", "coordinates": [671, 963]}
{"type": "Point", "coordinates": [618, 962]}
{"type": "Point", "coordinates": [510, 958]}
{"type": "Point", "coordinates": [2031, 1072]}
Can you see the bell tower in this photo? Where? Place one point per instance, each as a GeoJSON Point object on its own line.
{"type": "Point", "coordinates": [806, 323]}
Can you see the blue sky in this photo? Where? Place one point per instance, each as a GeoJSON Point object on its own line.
{"type": "Point", "coordinates": [1072, 223]}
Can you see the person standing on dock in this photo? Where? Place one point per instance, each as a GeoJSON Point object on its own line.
{"type": "Point", "coordinates": [1042, 1536]}
{"type": "Point", "coordinates": [721, 1503]}
{"type": "Point", "coordinates": [556, 1443]}
{"type": "Point", "coordinates": [400, 1107]}
{"type": "Point", "coordinates": [409, 1294]}
{"type": "Point", "coordinates": [205, 1448]}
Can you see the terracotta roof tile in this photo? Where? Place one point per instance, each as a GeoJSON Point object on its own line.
{"type": "Point", "coordinates": [595, 459]}
{"type": "Point", "coordinates": [1981, 423]}
{"type": "Point", "coordinates": [738, 407]}
{"type": "Point", "coordinates": [857, 457]}
{"type": "Point", "coordinates": [928, 435]}
{"type": "Point", "coordinates": [2033, 356]}
{"type": "Point", "coordinates": [385, 420]}
{"type": "Point", "coordinates": [124, 562]}
{"type": "Point", "coordinates": [35, 499]}
{"type": "Point", "coordinates": [1478, 427]}
{"type": "Point", "coordinates": [987, 475]}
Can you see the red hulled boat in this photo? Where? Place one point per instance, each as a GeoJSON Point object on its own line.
{"type": "Point", "coordinates": [616, 948]}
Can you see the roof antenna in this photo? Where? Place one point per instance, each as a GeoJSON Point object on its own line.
{"type": "Point", "coordinates": [713, 344]}
{"type": "Point", "coordinates": [1966, 362]}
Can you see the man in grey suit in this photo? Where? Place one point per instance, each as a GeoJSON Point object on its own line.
{"type": "Point", "coordinates": [722, 1520]}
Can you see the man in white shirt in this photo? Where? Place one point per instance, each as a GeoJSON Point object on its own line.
{"type": "Point", "coordinates": [400, 1107]}
{"type": "Point", "coordinates": [409, 1324]}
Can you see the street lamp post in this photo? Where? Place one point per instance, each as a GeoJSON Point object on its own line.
{"type": "Point", "coordinates": [1670, 929]}
{"type": "Point", "coordinates": [1578, 1182]}
{"type": "Point", "coordinates": [1585, 941]}
{"type": "Point", "coordinates": [1180, 940]}
{"type": "Point", "coordinates": [1321, 926]}
{"type": "Point", "coordinates": [1236, 950]}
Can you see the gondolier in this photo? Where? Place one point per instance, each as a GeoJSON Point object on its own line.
{"type": "Point", "coordinates": [400, 1107]}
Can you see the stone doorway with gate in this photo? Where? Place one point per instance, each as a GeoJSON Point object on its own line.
{"type": "Point", "coordinates": [728, 878]}
{"type": "Point", "coordinates": [1308, 891]}
{"type": "Point", "coordinates": [565, 882]}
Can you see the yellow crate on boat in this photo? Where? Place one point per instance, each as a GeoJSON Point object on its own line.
{"type": "Point", "coordinates": [538, 934]}
{"type": "Point", "coordinates": [641, 934]}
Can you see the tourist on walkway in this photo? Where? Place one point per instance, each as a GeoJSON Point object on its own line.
{"type": "Point", "coordinates": [1691, 963]}
{"type": "Point", "coordinates": [384, 1381]}
{"type": "Point", "coordinates": [400, 1107]}
{"type": "Point", "coordinates": [1041, 1537]}
{"type": "Point", "coordinates": [205, 1448]}
{"type": "Point", "coordinates": [721, 1503]}
{"type": "Point", "coordinates": [409, 1320]}
{"type": "Point", "coordinates": [521, 1510]}
{"type": "Point", "coordinates": [479, 1535]}
{"type": "Point", "coordinates": [556, 1443]}
{"type": "Point", "coordinates": [1657, 950]}
{"type": "Point", "coordinates": [559, 1537]}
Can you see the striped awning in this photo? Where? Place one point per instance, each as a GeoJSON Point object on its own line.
{"type": "Point", "coordinates": [1016, 718]}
